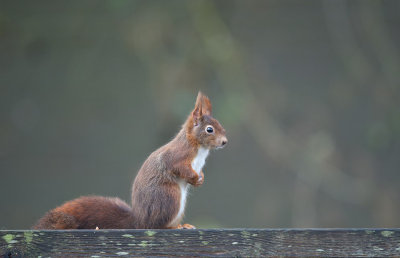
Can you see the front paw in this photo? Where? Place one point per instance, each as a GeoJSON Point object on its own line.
{"type": "Point", "coordinates": [200, 179]}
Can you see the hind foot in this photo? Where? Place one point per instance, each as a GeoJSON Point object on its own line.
{"type": "Point", "coordinates": [186, 226]}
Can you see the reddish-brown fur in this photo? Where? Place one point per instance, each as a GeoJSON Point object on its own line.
{"type": "Point", "coordinates": [155, 191]}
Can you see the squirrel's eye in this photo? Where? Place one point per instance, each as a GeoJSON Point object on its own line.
{"type": "Point", "coordinates": [209, 129]}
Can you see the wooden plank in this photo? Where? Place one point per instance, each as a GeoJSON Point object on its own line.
{"type": "Point", "coordinates": [207, 242]}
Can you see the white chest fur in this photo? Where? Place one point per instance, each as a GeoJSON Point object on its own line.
{"type": "Point", "coordinates": [200, 159]}
{"type": "Point", "coordinates": [197, 164]}
{"type": "Point", "coordinates": [184, 187]}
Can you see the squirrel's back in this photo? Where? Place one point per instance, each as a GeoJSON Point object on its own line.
{"type": "Point", "coordinates": [88, 212]}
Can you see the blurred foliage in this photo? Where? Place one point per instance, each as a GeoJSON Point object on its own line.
{"type": "Point", "coordinates": [308, 92]}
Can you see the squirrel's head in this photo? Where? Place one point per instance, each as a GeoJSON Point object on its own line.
{"type": "Point", "coordinates": [203, 128]}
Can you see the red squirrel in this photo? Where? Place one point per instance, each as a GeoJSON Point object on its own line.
{"type": "Point", "coordinates": [160, 188]}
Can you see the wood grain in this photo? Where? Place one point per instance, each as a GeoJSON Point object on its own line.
{"type": "Point", "coordinates": [208, 242]}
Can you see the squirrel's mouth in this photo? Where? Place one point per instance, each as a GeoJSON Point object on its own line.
{"type": "Point", "coordinates": [220, 147]}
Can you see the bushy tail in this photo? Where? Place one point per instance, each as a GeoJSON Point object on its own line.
{"type": "Point", "coordinates": [89, 212]}
{"type": "Point", "coordinates": [56, 220]}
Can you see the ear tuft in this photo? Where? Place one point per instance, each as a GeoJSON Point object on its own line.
{"type": "Point", "coordinates": [202, 107]}
{"type": "Point", "coordinates": [197, 112]}
{"type": "Point", "coordinates": [206, 106]}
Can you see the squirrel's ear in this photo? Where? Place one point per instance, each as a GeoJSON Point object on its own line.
{"type": "Point", "coordinates": [197, 112]}
{"type": "Point", "coordinates": [206, 106]}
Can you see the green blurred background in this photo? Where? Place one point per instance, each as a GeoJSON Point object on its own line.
{"type": "Point", "coordinates": [308, 92]}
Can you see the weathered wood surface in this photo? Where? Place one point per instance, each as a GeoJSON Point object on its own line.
{"type": "Point", "coordinates": [208, 242]}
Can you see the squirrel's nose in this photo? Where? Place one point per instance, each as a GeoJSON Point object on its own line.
{"type": "Point", "coordinates": [224, 141]}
